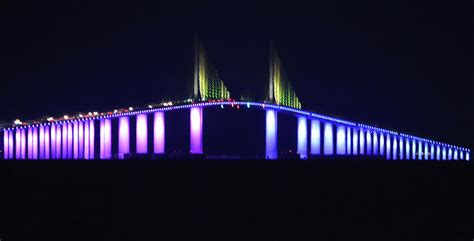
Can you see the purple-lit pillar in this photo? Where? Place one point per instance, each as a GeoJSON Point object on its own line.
{"type": "Point", "coordinates": [58, 141]}
{"type": "Point", "coordinates": [86, 140]}
{"type": "Point", "coordinates": [271, 149]}
{"type": "Point", "coordinates": [47, 142]}
{"type": "Point", "coordinates": [302, 137]}
{"type": "Point", "coordinates": [17, 144]}
{"type": "Point", "coordinates": [315, 137]}
{"type": "Point", "coordinates": [142, 134]}
{"type": "Point", "coordinates": [376, 143]}
{"type": "Point", "coordinates": [81, 140]}
{"type": "Point", "coordinates": [159, 133]}
{"type": "Point", "coordinates": [328, 139]}
{"type": "Point", "coordinates": [70, 138]}
{"type": "Point", "coordinates": [196, 131]}
{"type": "Point", "coordinates": [64, 141]}
{"type": "Point", "coordinates": [30, 143]}
{"type": "Point", "coordinates": [41, 142]}
{"type": "Point", "coordinates": [395, 148]}
{"type": "Point", "coordinates": [91, 139]}
{"type": "Point", "coordinates": [35, 143]}
{"type": "Point", "coordinates": [124, 136]}
{"type": "Point", "coordinates": [5, 145]}
{"type": "Point", "coordinates": [388, 147]}
{"type": "Point", "coordinates": [355, 142]}
{"type": "Point", "coordinates": [400, 147]}
{"type": "Point", "coordinates": [369, 142]}
{"type": "Point", "coordinates": [341, 140]}
{"type": "Point", "coordinates": [23, 143]}
{"type": "Point", "coordinates": [361, 142]}
{"type": "Point", "coordinates": [101, 133]}
{"type": "Point", "coordinates": [11, 151]}
{"type": "Point", "coordinates": [75, 140]}
{"type": "Point", "coordinates": [382, 144]}
{"type": "Point", "coordinates": [348, 141]}
{"type": "Point", "coordinates": [106, 138]}
{"type": "Point", "coordinates": [53, 142]}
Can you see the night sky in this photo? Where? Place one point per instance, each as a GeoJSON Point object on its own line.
{"type": "Point", "coordinates": [401, 66]}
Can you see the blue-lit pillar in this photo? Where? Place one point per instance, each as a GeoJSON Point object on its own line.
{"type": "Point", "coordinates": [426, 151]}
{"type": "Point", "coordinates": [376, 143]}
{"type": "Point", "coordinates": [455, 155]}
{"type": "Point", "coordinates": [328, 139]}
{"type": "Point", "coordinates": [450, 153]}
{"type": "Point", "coordinates": [467, 155]}
{"type": "Point", "coordinates": [369, 142]}
{"type": "Point", "coordinates": [271, 151]}
{"type": "Point", "coordinates": [196, 131]}
{"type": "Point", "coordinates": [413, 149]}
{"type": "Point", "coordinates": [341, 140]}
{"type": "Point", "coordinates": [382, 144]}
{"type": "Point", "coordinates": [355, 142]}
{"type": "Point", "coordinates": [388, 147]}
{"type": "Point", "coordinates": [461, 154]}
{"type": "Point", "coordinates": [348, 141]}
{"type": "Point", "coordinates": [315, 137]}
{"type": "Point", "coordinates": [420, 150]}
{"type": "Point", "coordinates": [124, 136]}
{"type": "Point", "coordinates": [302, 137]}
{"type": "Point", "coordinates": [400, 147]}
{"type": "Point", "coordinates": [395, 148]}
{"type": "Point", "coordinates": [361, 142]}
{"type": "Point", "coordinates": [438, 152]}
{"type": "Point", "coordinates": [407, 149]}
{"type": "Point", "coordinates": [432, 151]}
{"type": "Point", "coordinates": [159, 133]}
{"type": "Point", "coordinates": [443, 153]}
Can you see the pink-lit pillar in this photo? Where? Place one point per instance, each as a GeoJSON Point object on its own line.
{"type": "Point", "coordinates": [382, 144]}
{"type": "Point", "coordinates": [86, 140]}
{"type": "Point", "coordinates": [315, 137]}
{"type": "Point", "coordinates": [46, 143]}
{"type": "Point", "coordinates": [64, 141]}
{"type": "Point", "coordinates": [70, 138]}
{"type": "Point", "coordinates": [355, 142]}
{"type": "Point", "coordinates": [328, 139]}
{"type": "Point", "coordinates": [302, 132]}
{"type": "Point", "coordinates": [17, 144]}
{"type": "Point", "coordinates": [142, 134]}
{"type": "Point", "coordinates": [23, 143]}
{"type": "Point", "coordinates": [341, 140]}
{"type": "Point", "coordinates": [196, 130]}
{"type": "Point", "coordinates": [159, 133]}
{"type": "Point", "coordinates": [75, 140]}
{"type": "Point", "coordinates": [81, 140]}
{"type": "Point", "coordinates": [361, 142]}
{"type": "Point", "coordinates": [35, 143]}
{"type": "Point", "coordinates": [388, 146]}
{"type": "Point", "coordinates": [124, 136]}
{"type": "Point", "coordinates": [53, 142]}
{"type": "Point", "coordinates": [376, 143]}
{"type": "Point", "coordinates": [41, 142]}
{"type": "Point", "coordinates": [91, 139]}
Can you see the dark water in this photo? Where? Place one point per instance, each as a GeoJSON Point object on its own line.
{"type": "Point", "coordinates": [236, 199]}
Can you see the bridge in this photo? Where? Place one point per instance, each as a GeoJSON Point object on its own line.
{"type": "Point", "coordinates": [151, 130]}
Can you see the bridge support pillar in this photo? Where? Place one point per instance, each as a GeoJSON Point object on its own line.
{"type": "Point", "coordinates": [432, 151]}
{"type": "Point", "coordinates": [315, 137]}
{"type": "Point", "coordinates": [438, 152]}
{"type": "Point", "coordinates": [375, 140]}
{"type": "Point", "coordinates": [369, 142]}
{"type": "Point", "coordinates": [123, 136]}
{"type": "Point", "coordinates": [75, 139]}
{"type": "Point", "coordinates": [455, 155]}
{"type": "Point", "coordinates": [355, 142]}
{"type": "Point", "coordinates": [348, 141]}
{"type": "Point", "coordinates": [361, 142]}
{"type": "Point", "coordinates": [86, 140]}
{"type": "Point", "coordinates": [271, 130]}
{"type": "Point", "coordinates": [395, 148]}
{"type": "Point", "coordinates": [159, 133]}
{"type": "Point", "coordinates": [328, 139]}
{"type": "Point", "coordinates": [91, 139]}
{"type": "Point", "coordinates": [196, 130]}
{"type": "Point", "coordinates": [341, 140]}
{"type": "Point", "coordinates": [81, 139]}
{"type": "Point", "coordinates": [302, 137]}
{"type": "Point", "coordinates": [142, 134]}
{"type": "Point", "coordinates": [388, 147]}
{"type": "Point", "coordinates": [467, 156]}
{"type": "Point", "coordinates": [382, 144]}
{"type": "Point", "coordinates": [105, 139]}
{"type": "Point", "coordinates": [443, 153]}
{"type": "Point", "coordinates": [17, 144]}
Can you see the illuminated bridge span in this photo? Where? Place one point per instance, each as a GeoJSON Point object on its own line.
{"type": "Point", "coordinates": [211, 124]}
{"type": "Point", "coordinates": [316, 135]}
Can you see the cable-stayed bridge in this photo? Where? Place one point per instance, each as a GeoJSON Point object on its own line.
{"type": "Point", "coordinates": [151, 130]}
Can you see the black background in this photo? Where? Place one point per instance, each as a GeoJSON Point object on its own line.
{"type": "Point", "coordinates": [402, 65]}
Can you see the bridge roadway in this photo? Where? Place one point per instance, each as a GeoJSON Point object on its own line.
{"type": "Point", "coordinates": [328, 136]}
